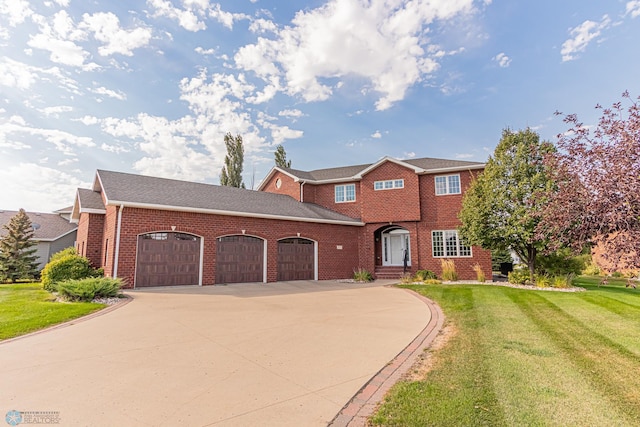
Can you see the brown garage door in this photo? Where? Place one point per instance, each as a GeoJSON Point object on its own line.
{"type": "Point", "coordinates": [295, 259]}
{"type": "Point", "coordinates": [239, 259]}
{"type": "Point", "coordinates": [168, 259]}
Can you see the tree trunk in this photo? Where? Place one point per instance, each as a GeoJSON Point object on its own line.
{"type": "Point", "coordinates": [531, 262]}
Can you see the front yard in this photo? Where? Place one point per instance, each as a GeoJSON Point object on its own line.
{"type": "Point", "coordinates": [26, 307]}
{"type": "Point", "coordinates": [527, 357]}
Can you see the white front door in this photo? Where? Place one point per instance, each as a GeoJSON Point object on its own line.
{"type": "Point", "coordinates": [395, 244]}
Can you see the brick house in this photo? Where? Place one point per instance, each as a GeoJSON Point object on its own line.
{"type": "Point", "coordinates": [388, 217]}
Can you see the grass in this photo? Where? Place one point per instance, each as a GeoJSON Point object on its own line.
{"type": "Point", "coordinates": [528, 357]}
{"type": "Point", "coordinates": [27, 307]}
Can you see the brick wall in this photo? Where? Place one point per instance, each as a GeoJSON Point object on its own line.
{"type": "Point", "coordinates": [287, 185]}
{"type": "Point", "coordinates": [325, 196]}
{"type": "Point", "coordinates": [397, 204]}
{"type": "Point", "coordinates": [89, 238]}
{"type": "Point", "coordinates": [333, 263]}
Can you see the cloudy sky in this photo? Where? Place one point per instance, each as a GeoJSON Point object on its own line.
{"type": "Point", "coordinates": [152, 86]}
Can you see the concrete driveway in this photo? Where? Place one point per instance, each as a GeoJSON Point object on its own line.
{"type": "Point", "coordinates": [280, 354]}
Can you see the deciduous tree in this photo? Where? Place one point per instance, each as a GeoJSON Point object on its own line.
{"type": "Point", "coordinates": [17, 250]}
{"type": "Point", "coordinates": [281, 157]}
{"type": "Point", "coordinates": [597, 171]}
{"type": "Point", "coordinates": [500, 210]}
{"type": "Point", "coordinates": [231, 174]}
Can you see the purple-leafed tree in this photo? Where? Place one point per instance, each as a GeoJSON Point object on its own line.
{"type": "Point", "coordinates": [597, 195]}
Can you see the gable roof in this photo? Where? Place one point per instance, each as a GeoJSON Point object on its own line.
{"type": "Point", "coordinates": [147, 192]}
{"type": "Point", "coordinates": [355, 173]}
{"type": "Point", "coordinates": [50, 226]}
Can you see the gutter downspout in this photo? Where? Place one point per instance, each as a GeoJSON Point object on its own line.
{"type": "Point", "coordinates": [302, 191]}
{"type": "Point", "coordinates": [117, 251]}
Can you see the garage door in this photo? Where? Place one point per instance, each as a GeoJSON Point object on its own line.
{"type": "Point", "coordinates": [168, 259]}
{"type": "Point", "coordinates": [295, 259]}
{"type": "Point", "coordinates": [239, 259]}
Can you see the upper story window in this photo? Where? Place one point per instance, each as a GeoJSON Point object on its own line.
{"type": "Point", "coordinates": [447, 184]}
{"type": "Point", "coordinates": [345, 193]}
{"type": "Point", "coordinates": [388, 185]}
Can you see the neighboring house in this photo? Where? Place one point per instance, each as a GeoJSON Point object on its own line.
{"type": "Point", "coordinates": [388, 217]}
{"type": "Point", "coordinates": [52, 231]}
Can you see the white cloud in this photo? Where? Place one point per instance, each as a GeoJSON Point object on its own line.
{"type": "Point", "coordinates": [376, 135]}
{"type": "Point", "coordinates": [110, 93]}
{"type": "Point", "coordinates": [633, 8]}
{"type": "Point", "coordinates": [464, 156]}
{"type": "Point", "coordinates": [291, 113]}
{"type": "Point", "coordinates": [16, 10]}
{"type": "Point", "coordinates": [16, 74]}
{"type": "Point", "coordinates": [56, 110]}
{"type": "Point", "coordinates": [503, 60]}
{"type": "Point", "coordinates": [63, 141]}
{"type": "Point", "coordinates": [185, 17]}
{"type": "Point", "coordinates": [106, 28]}
{"type": "Point", "coordinates": [261, 26]}
{"type": "Point", "coordinates": [67, 162]}
{"type": "Point", "coordinates": [387, 47]}
{"type": "Point", "coordinates": [581, 36]}
{"type": "Point", "coordinates": [88, 120]}
{"type": "Point", "coordinates": [41, 189]}
{"type": "Point", "coordinates": [203, 51]}
{"type": "Point", "coordinates": [409, 155]}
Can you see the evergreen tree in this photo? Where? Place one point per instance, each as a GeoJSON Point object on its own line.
{"type": "Point", "coordinates": [17, 250]}
{"type": "Point", "coordinates": [281, 157]}
{"type": "Point", "coordinates": [231, 174]}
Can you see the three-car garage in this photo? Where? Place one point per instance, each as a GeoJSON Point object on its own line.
{"type": "Point", "coordinates": [174, 258]}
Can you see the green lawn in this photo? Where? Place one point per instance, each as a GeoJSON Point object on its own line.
{"type": "Point", "coordinates": [27, 307]}
{"type": "Point", "coordinates": [528, 357]}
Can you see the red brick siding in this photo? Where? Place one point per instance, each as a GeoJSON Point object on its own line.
{"type": "Point", "coordinates": [109, 239]}
{"type": "Point", "coordinates": [89, 237]}
{"type": "Point", "coordinates": [325, 196]}
{"type": "Point", "coordinates": [333, 263]}
{"type": "Point", "coordinates": [288, 185]}
{"type": "Point", "coordinates": [398, 204]}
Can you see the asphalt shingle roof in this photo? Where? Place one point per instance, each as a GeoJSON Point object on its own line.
{"type": "Point", "coordinates": [90, 199]}
{"type": "Point", "coordinates": [347, 172]}
{"type": "Point", "coordinates": [51, 226]}
{"type": "Point", "coordinates": [132, 189]}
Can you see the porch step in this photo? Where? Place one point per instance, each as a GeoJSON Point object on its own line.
{"type": "Point", "coordinates": [389, 272]}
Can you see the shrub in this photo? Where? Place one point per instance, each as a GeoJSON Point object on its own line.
{"type": "Point", "coordinates": [563, 281]}
{"type": "Point", "coordinates": [422, 275]}
{"type": "Point", "coordinates": [519, 275]}
{"type": "Point", "coordinates": [362, 275]}
{"type": "Point", "coordinates": [66, 265]}
{"type": "Point", "coordinates": [617, 275]}
{"type": "Point", "coordinates": [449, 270]}
{"type": "Point", "coordinates": [591, 269]}
{"type": "Point", "coordinates": [498, 257]}
{"type": "Point", "coordinates": [543, 281]}
{"type": "Point", "coordinates": [432, 282]}
{"type": "Point", "coordinates": [479, 273]}
{"type": "Point", "coordinates": [89, 288]}
{"type": "Point", "coordinates": [561, 263]}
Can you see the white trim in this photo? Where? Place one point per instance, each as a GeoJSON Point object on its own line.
{"type": "Point", "coordinates": [271, 173]}
{"type": "Point", "coordinates": [453, 169]}
{"type": "Point", "coordinates": [315, 252]}
{"type": "Point", "coordinates": [355, 195]}
{"type": "Point", "coordinates": [393, 184]}
{"type": "Point", "coordinates": [232, 213]}
{"type": "Point", "coordinates": [386, 237]}
{"type": "Point", "coordinates": [201, 269]}
{"type": "Point", "coordinates": [53, 239]}
{"type": "Point", "coordinates": [116, 255]}
{"type": "Point", "coordinates": [444, 245]}
{"type": "Point", "coordinates": [265, 251]}
{"type": "Point", "coordinates": [447, 187]}
{"type": "Point", "coordinates": [365, 171]}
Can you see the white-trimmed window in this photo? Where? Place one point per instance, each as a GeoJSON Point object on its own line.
{"type": "Point", "coordinates": [345, 193]}
{"type": "Point", "coordinates": [447, 184]}
{"type": "Point", "coordinates": [389, 184]}
{"type": "Point", "coordinates": [447, 243]}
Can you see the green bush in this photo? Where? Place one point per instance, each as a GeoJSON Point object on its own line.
{"type": "Point", "coordinates": [422, 275]}
{"type": "Point", "coordinates": [561, 263]}
{"type": "Point", "coordinates": [563, 281]}
{"type": "Point", "coordinates": [362, 275]}
{"type": "Point", "coordinates": [519, 275]}
{"type": "Point", "coordinates": [89, 288]}
{"type": "Point", "coordinates": [617, 275]}
{"type": "Point", "coordinates": [591, 269]}
{"type": "Point", "coordinates": [67, 265]}
{"type": "Point", "coordinates": [498, 257]}
{"type": "Point", "coordinates": [543, 281]}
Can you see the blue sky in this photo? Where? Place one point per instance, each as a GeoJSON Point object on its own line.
{"type": "Point", "coordinates": [152, 86]}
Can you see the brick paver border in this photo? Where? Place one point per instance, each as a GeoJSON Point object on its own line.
{"type": "Point", "coordinates": [362, 405]}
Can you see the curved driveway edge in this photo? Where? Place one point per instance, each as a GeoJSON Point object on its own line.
{"type": "Point", "coordinates": [357, 411]}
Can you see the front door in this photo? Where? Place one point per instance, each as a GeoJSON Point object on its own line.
{"type": "Point", "coordinates": [395, 245]}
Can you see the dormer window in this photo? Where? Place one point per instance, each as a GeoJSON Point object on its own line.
{"type": "Point", "coordinates": [447, 184]}
{"type": "Point", "coordinates": [345, 193]}
{"type": "Point", "coordinates": [389, 184]}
